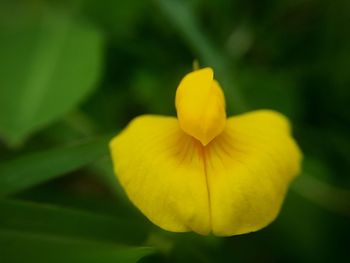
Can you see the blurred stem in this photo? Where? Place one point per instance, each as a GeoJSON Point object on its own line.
{"type": "Point", "coordinates": [323, 194]}
{"type": "Point", "coordinates": [81, 123]}
{"type": "Point", "coordinates": [195, 65]}
{"type": "Point", "coordinates": [163, 243]}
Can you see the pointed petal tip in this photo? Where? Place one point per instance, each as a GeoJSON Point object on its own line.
{"type": "Point", "coordinates": [200, 105]}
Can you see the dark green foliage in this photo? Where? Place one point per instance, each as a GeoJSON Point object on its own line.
{"type": "Point", "coordinates": [74, 72]}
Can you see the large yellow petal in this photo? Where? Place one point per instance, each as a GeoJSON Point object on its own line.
{"type": "Point", "coordinates": [162, 171]}
{"type": "Point", "coordinates": [249, 167]}
{"type": "Point", "coordinates": [236, 184]}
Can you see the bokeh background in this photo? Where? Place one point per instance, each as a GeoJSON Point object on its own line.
{"type": "Point", "coordinates": [74, 73]}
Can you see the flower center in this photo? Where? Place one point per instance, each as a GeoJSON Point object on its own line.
{"type": "Point", "coordinates": [200, 105]}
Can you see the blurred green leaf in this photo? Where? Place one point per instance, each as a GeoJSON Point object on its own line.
{"type": "Point", "coordinates": [71, 224]}
{"type": "Point", "coordinates": [118, 18]}
{"type": "Point", "coordinates": [49, 63]}
{"type": "Point", "coordinates": [35, 168]}
{"type": "Point", "coordinates": [181, 15]}
{"type": "Point", "coordinates": [323, 194]}
{"type": "Point", "coordinates": [23, 247]}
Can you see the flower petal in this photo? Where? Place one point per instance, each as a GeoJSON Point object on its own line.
{"type": "Point", "coordinates": [236, 184]}
{"type": "Point", "coordinates": [162, 172]}
{"type": "Point", "coordinates": [249, 167]}
{"type": "Point", "coordinates": [200, 105]}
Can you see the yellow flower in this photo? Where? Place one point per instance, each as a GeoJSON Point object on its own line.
{"type": "Point", "coordinates": [203, 172]}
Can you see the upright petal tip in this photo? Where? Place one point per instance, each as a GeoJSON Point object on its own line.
{"type": "Point", "coordinates": [200, 105]}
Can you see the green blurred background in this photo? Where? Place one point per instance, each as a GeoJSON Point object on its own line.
{"type": "Point", "coordinates": [74, 73]}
